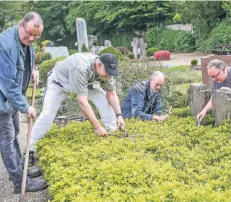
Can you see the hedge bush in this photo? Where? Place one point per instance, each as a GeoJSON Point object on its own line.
{"type": "Point", "coordinates": [194, 62]}
{"type": "Point", "coordinates": [113, 51]}
{"type": "Point", "coordinates": [151, 51]}
{"type": "Point", "coordinates": [72, 51]}
{"type": "Point", "coordinates": [172, 40]}
{"type": "Point", "coordinates": [41, 56]}
{"type": "Point", "coordinates": [220, 34]}
{"type": "Point", "coordinates": [170, 161]}
{"type": "Point", "coordinates": [46, 66]}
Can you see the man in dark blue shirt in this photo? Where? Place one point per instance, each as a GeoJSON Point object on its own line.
{"type": "Point", "coordinates": [144, 100]}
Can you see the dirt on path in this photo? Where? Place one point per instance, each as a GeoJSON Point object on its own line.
{"type": "Point", "coordinates": [177, 59]}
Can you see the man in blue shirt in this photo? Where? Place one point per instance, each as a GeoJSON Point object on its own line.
{"type": "Point", "coordinates": [144, 100]}
{"type": "Point", "coordinates": [16, 68]}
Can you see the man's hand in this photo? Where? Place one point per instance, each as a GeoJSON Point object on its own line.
{"type": "Point", "coordinates": [120, 123]}
{"type": "Point", "coordinates": [35, 76]}
{"type": "Point", "coordinates": [31, 112]}
{"type": "Point", "coordinates": [101, 132]}
{"type": "Point", "coordinates": [201, 115]}
{"type": "Point", "coordinates": [160, 118]}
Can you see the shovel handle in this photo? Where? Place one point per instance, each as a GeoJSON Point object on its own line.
{"type": "Point", "coordinates": [22, 198]}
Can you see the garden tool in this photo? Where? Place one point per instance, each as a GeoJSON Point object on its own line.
{"type": "Point", "coordinates": [198, 122]}
{"type": "Point", "coordinates": [22, 197]}
{"type": "Point", "coordinates": [125, 134]}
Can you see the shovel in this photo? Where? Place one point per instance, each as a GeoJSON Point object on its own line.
{"type": "Point", "coordinates": [22, 197]}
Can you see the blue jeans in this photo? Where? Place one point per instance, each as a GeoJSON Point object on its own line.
{"type": "Point", "coordinates": [10, 150]}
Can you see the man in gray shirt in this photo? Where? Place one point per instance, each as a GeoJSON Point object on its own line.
{"type": "Point", "coordinates": [220, 76]}
{"type": "Point", "coordinates": [79, 73]}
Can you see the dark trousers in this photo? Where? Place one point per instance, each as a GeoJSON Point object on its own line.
{"type": "Point", "coordinates": [10, 150]}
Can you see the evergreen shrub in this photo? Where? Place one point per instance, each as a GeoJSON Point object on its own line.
{"type": "Point", "coordinates": [151, 51]}
{"type": "Point", "coordinates": [173, 161]}
{"type": "Point", "coordinates": [41, 56]}
{"type": "Point", "coordinates": [46, 66]}
{"type": "Point", "coordinates": [219, 34]}
{"type": "Point", "coordinates": [113, 51]}
{"type": "Point", "coordinates": [72, 51]}
{"type": "Point", "coordinates": [194, 62]}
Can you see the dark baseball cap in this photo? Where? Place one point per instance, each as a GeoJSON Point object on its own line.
{"type": "Point", "coordinates": [110, 63]}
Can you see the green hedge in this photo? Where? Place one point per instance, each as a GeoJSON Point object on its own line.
{"type": "Point", "coordinates": [172, 40]}
{"type": "Point", "coordinates": [170, 161]}
{"type": "Point", "coordinates": [46, 66]}
{"type": "Point", "coordinates": [113, 51]}
{"type": "Point", "coordinates": [220, 34]}
{"type": "Point", "coordinates": [41, 56]}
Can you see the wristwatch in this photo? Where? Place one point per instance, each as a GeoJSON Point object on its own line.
{"type": "Point", "coordinates": [119, 114]}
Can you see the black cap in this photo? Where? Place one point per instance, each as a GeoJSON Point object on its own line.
{"type": "Point", "coordinates": [110, 63]}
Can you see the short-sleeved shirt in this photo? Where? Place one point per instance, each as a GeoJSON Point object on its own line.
{"type": "Point", "coordinates": [76, 73]}
{"type": "Point", "coordinates": [226, 83]}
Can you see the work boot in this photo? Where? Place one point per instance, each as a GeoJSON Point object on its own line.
{"type": "Point", "coordinates": [35, 172]}
{"type": "Point", "coordinates": [32, 158]}
{"type": "Point", "coordinates": [32, 173]}
{"type": "Point", "coordinates": [32, 186]}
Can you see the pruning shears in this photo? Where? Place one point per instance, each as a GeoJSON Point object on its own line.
{"type": "Point", "coordinates": [125, 134]}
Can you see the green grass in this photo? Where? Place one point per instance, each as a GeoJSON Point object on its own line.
{"type": "Point", "coordinates": [176, 68]}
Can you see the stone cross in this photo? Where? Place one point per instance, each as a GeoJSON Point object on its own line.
{"type": "Point", "coordinates": [198, 97]}
{"type": "Point", "coordinates": [222, 105]}
{"type": "Point", "coordinates": [81, 29]}
{"type": "Point", "coordinates": [134, 45]}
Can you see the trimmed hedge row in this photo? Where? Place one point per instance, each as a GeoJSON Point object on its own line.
{"type": "Point", "coordinates": [172, 161]}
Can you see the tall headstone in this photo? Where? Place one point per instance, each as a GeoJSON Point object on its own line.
{"type": "Point", "coordinates": [199, 95]}
{"type": "Point", "coordinates": [81, 29]}
{"type": "Point", "coordinates": [142, 46]}
{"type": "Point", "coordinates": [222, 105]}
{"type": "Point", "coordinates": [134, 45]}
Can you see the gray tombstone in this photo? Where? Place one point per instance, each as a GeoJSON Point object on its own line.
{"type": "Point", "coordinates": [107, 43]}
{"type": "Point", "coordinates": [199, 95]}
{"type": "Point", "coordinates": [134, 45]}
{"type": "Point", "coordinates": [57, 51]}
{"type": "Point", "coordinates": [142, 46]}
{"type": "Point", "coordinates": [91, 40]}
{"type": "Point", "coordinates": [81, 29]}
{"type": "Point", "coordinates": [222, 105]}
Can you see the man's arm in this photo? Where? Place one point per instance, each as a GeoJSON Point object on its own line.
{"type": "Point", "coordinates": [90, 115]}
{"type": "Point", "coordinates": [158, 109]}
{"type": "Point", "coordinates": [137, 104]}
{"type": "Point", "coordinates": [207, 108]}
{"type": "Point", "coordinates": [9, 87]}
{"type": "Point", "coordinates": [114, 102]}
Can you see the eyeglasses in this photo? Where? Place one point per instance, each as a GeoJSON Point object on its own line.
{"type": "Point", "coordinates": [214, 77]}
{"type": "Point", "coordinates": [29, 33]}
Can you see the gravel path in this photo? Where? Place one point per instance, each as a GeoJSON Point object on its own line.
{"type": "Point", "coordinates": [6, 187]}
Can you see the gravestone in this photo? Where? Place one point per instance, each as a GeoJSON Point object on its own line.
{"type": "Point", "coordinates": [57, 51]}
{"type": "Point", "coordinates": [91, 40]}
{"type": "Point", "coordinates": [82, 38]}
{"type": "Point", "coordinates": [222, 105]}
{"type": "Point", "coordinates": [107, 43]}
{"type": "Point", "coordinates": [134, 45]}
{"type": "Point", "coordinates": [142, 46]}
{"type": "Point", "coordinates": [199, 95]}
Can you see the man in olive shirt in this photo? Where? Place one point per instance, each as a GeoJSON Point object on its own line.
{"type": "Point", "coordinates": [79, 73]}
